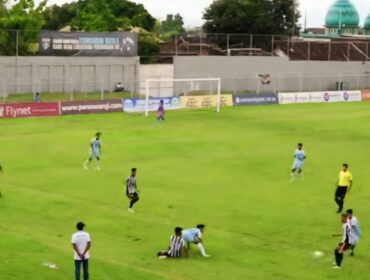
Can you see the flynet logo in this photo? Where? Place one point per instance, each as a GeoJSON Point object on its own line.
{"type": "Point", "coordinates": [18, 112]}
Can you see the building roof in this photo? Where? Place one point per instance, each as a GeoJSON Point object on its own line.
{"type": "Point", "coordinates": [343, 13]}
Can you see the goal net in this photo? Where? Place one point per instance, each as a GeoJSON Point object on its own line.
{"type": "Point", "coordinates": [183, 93]}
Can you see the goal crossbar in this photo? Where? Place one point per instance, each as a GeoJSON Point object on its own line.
{"type": "Point", "coordinates": [149, 81]}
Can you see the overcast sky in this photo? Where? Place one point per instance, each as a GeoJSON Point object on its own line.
{"type": "Point", "coordinates": [192, 10]}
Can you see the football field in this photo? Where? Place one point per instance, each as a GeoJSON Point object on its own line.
{"type": "Point", "coordinates": [229, 171]}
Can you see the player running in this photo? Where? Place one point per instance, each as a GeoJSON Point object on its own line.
{"type": "Point", "coordinates": [95, 151]}
{"type": "Point", "coordinates": [355, 230]}
{"type": "Point", "coordinates": [345, 244]}
{"type": "Point", "coordinates": [177, 246]}
{"type": "Point", "coordinates": [299, 156]}
{"type": "Point", "coordinates": [344, 186]}
{"type": "Point", "coordinates": [194, 235]}
{"type": "Point", "coordinates": [131, 190]}
{"type": "Point", "coordinates": [160, 111]}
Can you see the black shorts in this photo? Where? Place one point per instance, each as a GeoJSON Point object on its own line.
{"type": "Point", "coordinates": [341, 192]}
{"type": "Point", "coordinates": [132, 195]}
{"type": "Point", "coordinates": [344, 246]}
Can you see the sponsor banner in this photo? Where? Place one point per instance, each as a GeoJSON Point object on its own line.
{"type": "Point", "coordinates": [24, 110]}
{"type": "Point", "coordinates": [203, 101]}
{"type": "Point", "coordinates": [320, 97]}
{"type": "Point", "coordinates": [255, 99]}
{"type": "Point", "coordinates": [139, 105]}
{"type": "Point", "coordinates": [366, 95]}
{"type": "Point", "coordinates": [88, 43]}
{"type": "Point", "coordinates": [90, 107]}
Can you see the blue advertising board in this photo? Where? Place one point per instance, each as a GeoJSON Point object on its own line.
{"type": "Point", "coordinates": [255, 99]}
{"type": "Point", "coordinates": [139, 105]}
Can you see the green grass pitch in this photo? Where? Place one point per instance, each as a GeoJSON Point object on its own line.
{"type": "Point", "coordinates": [228, 170]}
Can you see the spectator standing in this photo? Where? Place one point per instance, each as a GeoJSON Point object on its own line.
{"type": "Point", "coordinates": [37, 98]}
{"type": "Point", "coordinates": [81, 243]}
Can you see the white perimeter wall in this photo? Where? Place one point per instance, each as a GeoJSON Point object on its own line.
{"type": "Point", "coordinates": [157, 71]}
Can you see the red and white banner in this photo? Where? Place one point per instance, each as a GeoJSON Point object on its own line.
{"type": "Point", "coordinates": [25, 110]}
{"type": "Point", "coordinates": [320, 97]}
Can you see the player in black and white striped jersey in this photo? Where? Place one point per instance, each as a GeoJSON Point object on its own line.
{"type": "Point", "coordinates": [177, 247]}
{"type": "Point", "coordinates": [131, 190]}
{"type": "Point", "coordinates": [345, 244]}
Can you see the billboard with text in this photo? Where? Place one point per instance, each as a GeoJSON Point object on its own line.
{"type": "Point", "coordinates": [25, 110]}
{"type": "Point", "coordinates": [90, 107]}
{"type": "Point", "coordinates": [204, 101]}
{"type": "Point", "coordinates": [320, 97]}
{"type": "Point", "coordinates": [255, 99]}
{"type": "Point", "coordinates": [55, 43]}
{"type": "Point", "coordinates": [139, 105]}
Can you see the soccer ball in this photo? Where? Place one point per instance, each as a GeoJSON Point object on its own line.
{"type": "Point", "coordinates": [317, 254]}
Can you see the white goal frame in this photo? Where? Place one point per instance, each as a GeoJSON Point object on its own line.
{"type": "Point", "coordinates": [149, 81]}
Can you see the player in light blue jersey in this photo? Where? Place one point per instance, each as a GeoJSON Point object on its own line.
{"type": "Point", "coordinates": [95, 151]}
{"type": "Point", "coordinates": [299, 157]}
{"type": "Point", "coordinates": [194, 235]}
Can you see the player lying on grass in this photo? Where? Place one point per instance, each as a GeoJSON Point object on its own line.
{"type": "Point", "coordinates": [95, 151]}
{"type": "Point", "coordinates": [355, 230]}
{"type": "Point", "coordinates": [160, 111]}
{"type": "Point", "coordinates": [194, 235]}
{"type": "Point", "coordinates": [177, 247]}
{"type": "Point", "coordinates": [345, 244]}
{"type": "Point", "coordinates": [131, 190]}
{"type": "Point", "coordinates": [299, 157]}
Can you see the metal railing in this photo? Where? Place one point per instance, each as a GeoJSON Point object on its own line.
{"type": "Point", "coordinates": [17, 42]}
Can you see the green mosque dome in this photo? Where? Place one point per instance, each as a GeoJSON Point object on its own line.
{"type": "Point", "coordinates": [367, 22]}
{"type": "Point", "coordinates": [344, 13]}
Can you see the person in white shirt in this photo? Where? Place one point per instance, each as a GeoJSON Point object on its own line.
{"type": "Point", "coordinates": [355, 230]}
{"type": "Point", "coordinates": [81, 243]}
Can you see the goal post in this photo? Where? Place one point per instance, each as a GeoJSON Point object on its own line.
{"type": "Point", "coordinates": [204, 85]}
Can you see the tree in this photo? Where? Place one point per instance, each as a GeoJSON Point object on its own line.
{"type": "Point", "coordinates": [138, 16]}
{"type": "Point", "coordinates": [173, 25]}
{"type": "Point", "coordinates": [27, 18]}
{"type": "Point", "coordinates": [94, 15]}
{"type": "Point", "coordinates": [252, 16]}
{"type": "Point", "coordinates": [148, 47]}
{"type": "Point", "coordinates": [57, 17]}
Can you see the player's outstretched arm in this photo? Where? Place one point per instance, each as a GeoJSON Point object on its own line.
{"type": "Point", "coordinates": [184, 252]}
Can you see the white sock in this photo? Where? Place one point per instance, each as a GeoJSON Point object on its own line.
{"type": "Point", "coordinates": [201, 249]}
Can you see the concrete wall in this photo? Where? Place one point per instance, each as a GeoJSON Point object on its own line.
{"type": "Point", "coordinates": [66, 74]}
{"type": "Point", "coordinates": [241, 73]}
{"type": "Point", "coordinates": [157, 71]}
